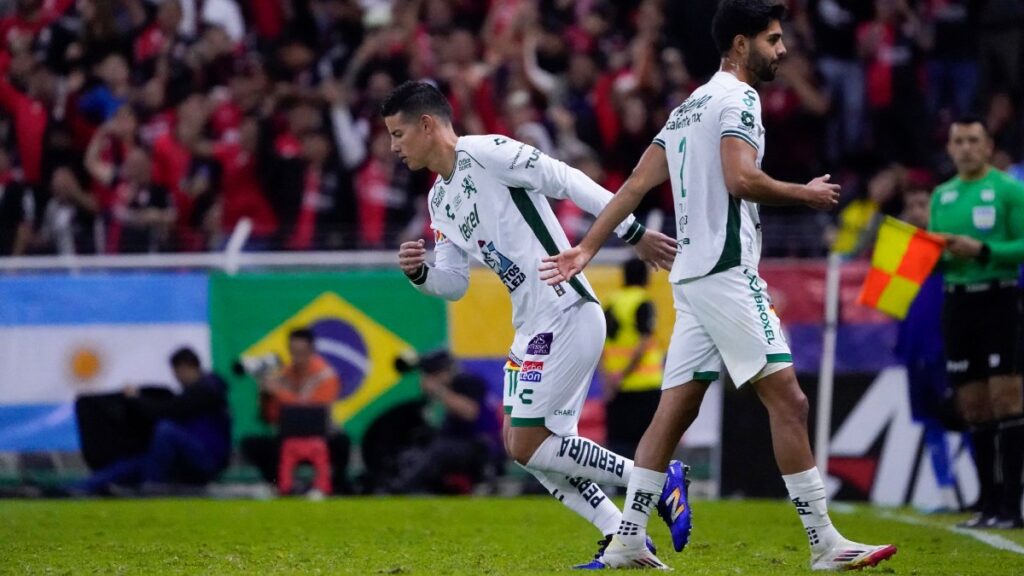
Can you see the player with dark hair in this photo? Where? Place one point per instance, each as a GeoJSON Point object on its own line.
{"type": "Point", "coordinates": [711, 150]}
{"type": "Point", "coordinates": [981, 214]}
{"type": "Point", "coordinates": [490, 202]}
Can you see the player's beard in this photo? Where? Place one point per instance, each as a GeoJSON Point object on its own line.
{"type": "Point", "coordinates": [762, 68]}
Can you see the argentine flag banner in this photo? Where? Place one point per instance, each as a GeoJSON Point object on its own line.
{"type": "Point", "coordinates": [63, 336]}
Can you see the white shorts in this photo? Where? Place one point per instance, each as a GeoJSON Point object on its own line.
{"type": "Point", "coordinates": [727, 317]}
{"type": "Point", "coordinates": [551, 367]}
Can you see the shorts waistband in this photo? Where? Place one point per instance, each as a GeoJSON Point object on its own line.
{"type": "Point", "coordinates": [976, 287]}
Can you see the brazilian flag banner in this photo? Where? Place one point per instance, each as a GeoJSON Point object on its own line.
{"type": "Point", "coordinates": [362, 321]}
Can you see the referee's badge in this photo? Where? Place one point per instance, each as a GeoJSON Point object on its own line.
{"type": "Point", "coordinates": [984, 217]}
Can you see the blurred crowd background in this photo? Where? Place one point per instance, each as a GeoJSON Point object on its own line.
{"type": "Point", "coordinates": [157, 125]}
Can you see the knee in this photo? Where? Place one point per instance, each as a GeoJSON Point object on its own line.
{"type": "Point", "coordinates": [793, 407]}
{"type": "Point", "coordinates": [520, 451]}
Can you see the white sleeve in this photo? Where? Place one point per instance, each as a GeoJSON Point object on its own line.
{"type": "Point", "coordinates": [523, 166]}
{"type": "Point", "coordinates": [741, 115]}
{"type": "Point", "coordinates": [448, 276]}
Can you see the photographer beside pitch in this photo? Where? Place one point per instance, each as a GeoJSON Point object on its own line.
{"type": "Point", "coordinates": [711, 149]}
{"type": "Point", "coordinates": [308, 381]}
{"type": "Point", "coordinates": [981, 214]}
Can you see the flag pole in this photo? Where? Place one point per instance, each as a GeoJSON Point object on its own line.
{"type": "Point", "coordinates": [826, 382]}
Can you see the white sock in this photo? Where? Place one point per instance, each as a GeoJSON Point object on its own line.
{"type": "Point", "coordinates": [807, 492]}
{"type": "Point", "coordinates": [575, 456]}
{"type": "Point", "coordinates": [582, 497]}
{"type": "Point", "coordinates": [641, 497]}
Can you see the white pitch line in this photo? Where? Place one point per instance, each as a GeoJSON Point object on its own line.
{"type": "Point", "coordinates": [993, 540]}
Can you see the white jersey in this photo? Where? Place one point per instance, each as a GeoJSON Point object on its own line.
{"type": "Point", "coordinates": [494, 208]}
{"type": "Point", "coordinates": [715, 230]}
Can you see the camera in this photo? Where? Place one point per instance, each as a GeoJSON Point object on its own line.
{"type": "Point", "coordinates": [256, 366]}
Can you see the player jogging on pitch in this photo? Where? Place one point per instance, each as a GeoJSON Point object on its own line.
{"type": "Point", "coordinates": [490, 202]}
{"type": "Point", "coordinates": [711, 149]}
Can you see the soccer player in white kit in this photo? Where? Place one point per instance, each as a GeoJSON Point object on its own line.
{"type": "Point", "coordinates": [490, 202]}
{"type": "Point", "coordinates": [711, 149]}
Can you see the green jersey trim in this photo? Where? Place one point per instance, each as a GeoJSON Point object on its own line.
{"type": "Point", "coordinates": [526, 422]}
{"type": "Point", "coordinates": [529, 212]}
{"type": "Point", "coordinates": [779, 358]}
{"type": "Point", "coordinates": [737, 134]}
{"type": "Point", "coordinates": [709, 376]}
{"type": "Point", "coordinates": [731, 249]}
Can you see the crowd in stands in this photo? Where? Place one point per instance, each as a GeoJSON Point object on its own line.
{"type": "Point", "coordinates": [157, 125]}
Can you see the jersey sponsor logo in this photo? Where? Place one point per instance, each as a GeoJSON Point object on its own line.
{"type": "Point", "coordinates": [751, 97]}
{"type": "Point", "coordinates": [532, 371]}
{"type": "Point", "coordinates": [540, 344]}
{"type": "Point", "coordinates": [762, 307]}
{"type": "Point", "coordinates": [499, 141]}
{"type": "Point", "coordinates": [469, 223]}
{"type": "Point", "coordinates": [534, 157]}
{"type": "Point", "coordinates": [565, 412]}
{"type": "Point", "coordinates": [957, 366]}
{"type": "Point", "coordinates": [984, 217]}
{"type": "Point", "coordinates": [948, 196]}
{"type": "Point", "coordinates": [688, 112]}
{"type": "Point", "coordinates": [465, 163]}
{"type": "Point", "coordinates": [506, 269]}
{"type": "Point", "coordinates": [559, 290]}
{"type": "Point", "coordinates": [988, 195]}
{"type": "Point", "coordinates": [438, 198]}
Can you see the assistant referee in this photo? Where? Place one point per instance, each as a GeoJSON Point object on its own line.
{"type": "Point", "coordinates": [981, 214]}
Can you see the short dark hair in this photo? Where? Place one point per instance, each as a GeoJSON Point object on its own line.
{"type": "Point", "coordinates": [415, 99]}
{"type": "Point", "coordinates": [185, 356]}
{"type": "Point", "coordinates": [968, 119]}
{"type": "Point", "coordinates": [635, 272]}
{"type": "Point", "coordinates": [302, 334]}
{"type": "Point", "coordinates": [743, 17]}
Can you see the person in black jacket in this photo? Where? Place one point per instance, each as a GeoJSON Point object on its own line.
{"type": "Point", "coordinates": [191, 440]}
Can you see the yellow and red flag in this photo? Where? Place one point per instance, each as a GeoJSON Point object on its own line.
{"type": "Point", "coordinates": [904, 257]}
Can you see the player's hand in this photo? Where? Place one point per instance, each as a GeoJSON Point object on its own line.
{"type": "Point", "coordinates": [656, 249]}
{"type": "Point", "coordinates": [564, 266]}
{"type": "Point", "coordinates": [411, 256]}
{"type": "Point", "coordinates": [963, 246]}
{"type": "Point", "coordinates": [820, 194]}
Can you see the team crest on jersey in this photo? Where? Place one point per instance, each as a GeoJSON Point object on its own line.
{"type": "Point", "coordinates": [532, 371]}
{"type": "Point", "coordinates": [506, 269]}
{"type": "Point", "coordinates": [468, 188]}
{"type": "Point", "coordinates": [439, 237]}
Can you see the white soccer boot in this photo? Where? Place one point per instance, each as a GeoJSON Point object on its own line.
{"type": "Point", "coordinates": [847, 555]}
{"type": "Point", "coordinates": [618, 555]}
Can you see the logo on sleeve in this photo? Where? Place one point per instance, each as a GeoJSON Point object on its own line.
{"type": "Point", "coordinates": [532, 371]}
{"type": "Point", "coordinates": [540, 344]}
{"type": "Point", "coordinates": [747, 119]}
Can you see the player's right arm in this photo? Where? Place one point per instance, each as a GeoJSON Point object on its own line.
{"type": "Point", "coordinates": [743, 179]}
{"type": "Point", "coordinates": [447, 277]}
{"type": "Point", "coordinates": [650, 171]}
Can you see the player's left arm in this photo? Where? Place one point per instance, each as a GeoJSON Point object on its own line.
{"type": "Point", "coordinates": [650, 171]}
{"type": "Point", "coordinates": [1011, 250]}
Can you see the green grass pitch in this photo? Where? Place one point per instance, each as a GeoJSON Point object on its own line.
{"type": "Point", "coordinates": [440, 536]}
